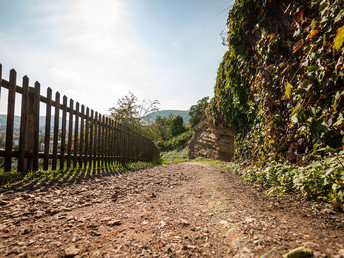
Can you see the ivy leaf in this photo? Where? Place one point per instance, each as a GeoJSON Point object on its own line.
{"type": "Point", "coordinates": [298, 45]}
{"type": "Point", "coordinates": [313, 24]}
{"type": "Point", "coordinates": [313, 33]}
{"type": "Point", "coordinates": [312, 68]}
{"type": "Point", "coordinates": [338, 41]}
{"type": "Point", "coordinates": [287, 90]}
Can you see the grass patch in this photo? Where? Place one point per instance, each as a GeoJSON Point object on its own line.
{"type": "Point", "coordinates": [175, 156]}
{"type": "Point", "coordinates": [72, 174]}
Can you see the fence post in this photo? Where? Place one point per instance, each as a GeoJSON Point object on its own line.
{"type": "Point", "coordinates": [10, 120]}
{"type": "Point", "coordinates": [33, 127]}
{"type": "Point", "coordinates": [23, 126]}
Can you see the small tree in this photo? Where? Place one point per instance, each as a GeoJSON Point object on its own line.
{"type": "Point", "coordinates": [129, 112]}
{"type": "Point", "coordinates": [197, 111]}
{"type": "Point", "coordinates": [163, 126]}
{"type": "Point", "coordinates": [177, 125]}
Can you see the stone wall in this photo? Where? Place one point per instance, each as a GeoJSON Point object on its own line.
{"type": "Point", "coordinates": [211, 143]}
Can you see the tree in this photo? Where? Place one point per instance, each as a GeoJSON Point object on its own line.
{"type": "Point", "coordinates": [177, 125]}
{"type": "Point", "coordinates": [197, 111]}
{"type": "Point", "coordinates": [163, 126]}
{"type": "Point", "coordinates": [129, 111]}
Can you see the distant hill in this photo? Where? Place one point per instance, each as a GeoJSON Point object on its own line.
{"type": "Point", "coordinates": [16, 126]}
{"type": "Point", "coordinates": [150, 118]}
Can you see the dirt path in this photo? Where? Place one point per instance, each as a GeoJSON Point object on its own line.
{"type": "Point", "coordinates": [188, 209]}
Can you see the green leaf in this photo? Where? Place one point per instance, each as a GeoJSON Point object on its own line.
{"type": "Point", "coordinates": [339, 39]}
{"type": "Point", "coordinates": [313, 24]}
{"type": "Point", "coordinates": [312, 68]}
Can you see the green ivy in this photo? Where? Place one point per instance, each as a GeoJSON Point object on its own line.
{"type": "Point", "coordinates": [320, 180]}
{"type": "Point", "coordinates": [280, 85]}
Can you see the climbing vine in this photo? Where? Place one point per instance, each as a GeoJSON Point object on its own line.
{"type": "Point", "coordinates": [280, 85]}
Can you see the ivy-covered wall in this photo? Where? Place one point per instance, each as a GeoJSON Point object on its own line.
{"type": "Point", "coordinates": [280, 85]}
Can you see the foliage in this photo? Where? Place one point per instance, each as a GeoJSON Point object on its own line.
{"type": "Point", "coordinates": [150, 118]}
{"type": "Point", "coordinates": [177, 142]}
{"type": "Point", "coordinates": [320, 180]}
{"type": "Point", "coordinates": [176, 155]}
{"type": "Point", "coordinates": [130, 112]}
{"type": "Point", "coordinates": [280, 85]}
{"type": "Point", "coordinates": [177, 126]}
{"type": "Point", "coordinates": [197, 111]}
{"type": "Point", "coordinates": [163, 127]}
{"type": "Point", "coordinates": [167, 128]}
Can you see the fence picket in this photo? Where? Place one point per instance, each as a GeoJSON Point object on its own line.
{"type": "Point", "coordinates": [56, 129]}
{"type": "Point", "coordinates": [37, 95]}
{"type": "Point", "coordinates": [90, 162]}
{"type": "Point", "coordinates": [81, 153]}
{"type": "Point", "coordinates": [100, 140]}
{"type": "Point", "coordinates": [76, 135]}
{"type": "Point", "coordinates": [47, 130]}
{"type": "Point", "coordinates": [23, 125]}
{"type": "Point", "coordinates": [63, 132]}
{"type": "Point", "coordinates": [10, 120]}
{"type": "Point", "coordinates": [87, 129]}
{"type": "Point", "coordinates": [70, 133]}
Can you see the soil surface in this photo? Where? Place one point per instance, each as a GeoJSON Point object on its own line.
{"type": "Point", "coordinates": [181, 210]}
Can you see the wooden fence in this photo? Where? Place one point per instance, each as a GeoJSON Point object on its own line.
{"type": "Point", "coordinates": [89, 139]}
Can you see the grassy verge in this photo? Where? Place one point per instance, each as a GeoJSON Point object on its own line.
{"type": "Point", "coordinates": [321, 180]}
{"type": "Point", "coordinates": [175, 156]}
{"type": "Point", "coordinates": [72, 174]}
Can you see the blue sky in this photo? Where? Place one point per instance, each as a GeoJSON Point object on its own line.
{"type": "Point", "coordinates": [96, 51]}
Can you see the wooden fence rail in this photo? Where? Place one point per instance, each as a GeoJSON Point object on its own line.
{"type": "Point", "coordinates": [96, 140]}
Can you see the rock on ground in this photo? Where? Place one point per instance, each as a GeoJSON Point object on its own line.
{"type": "Point", "coordinates": [188, 209]}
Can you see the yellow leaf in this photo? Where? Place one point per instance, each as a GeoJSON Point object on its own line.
{"type": "Point", "coordinates": [287, 90]}
{"type": "Point", "coordinates": [338, 41]}
{"type": "Point", "coordinates": [313, 33]}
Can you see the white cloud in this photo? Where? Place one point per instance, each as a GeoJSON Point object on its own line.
{"type": "Point", "coordinates": [89, 52]}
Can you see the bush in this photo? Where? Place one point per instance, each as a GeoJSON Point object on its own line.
{"type": "Point", "coordinates": [177, 142]}
{"type": "Point", "coordinates": [320, 180]}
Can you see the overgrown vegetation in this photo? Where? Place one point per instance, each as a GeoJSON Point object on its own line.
{"type": "Point", "coordinates": [176, 155]}
{"type": "Point", "coordinates": [280, 85]}
{"type": "Point", "coordinates": [280, 89]}
{"type": "Point", "coordinates": [320, 180]}
{"type": "Point", "coordinates": [175, 135]}
{"type": "Point", "coordinates": [175, 143]}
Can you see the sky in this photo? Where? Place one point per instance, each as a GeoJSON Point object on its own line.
{"type": "Point", "coordinates": [95, 51]}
